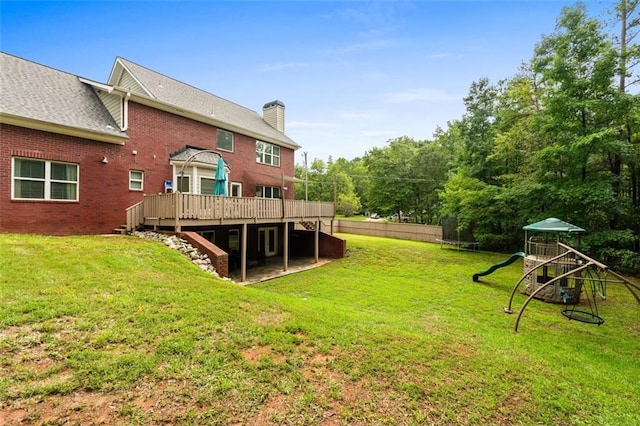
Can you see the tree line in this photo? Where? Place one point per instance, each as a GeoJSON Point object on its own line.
{"type": "Point", "coordinates": [561, 138]}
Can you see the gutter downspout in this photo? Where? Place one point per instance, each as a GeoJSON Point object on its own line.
{"type": "Point", "coordinates": [125, 112]}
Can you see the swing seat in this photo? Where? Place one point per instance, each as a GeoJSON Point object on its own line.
{"type": "Point", "coordinates": [583, 316]}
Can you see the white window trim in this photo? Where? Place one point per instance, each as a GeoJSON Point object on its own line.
{"type": "Point", "coordinates": [47, 180]}
{"type": "Point", "coordinates": [194, 174]}
{"type": "Point", "coordinates": [200, 184]}
{"type": "Point", "coordinates": [272, 188]}
{"type": "Point", "coordinates": [264, 244]}
{"type": "Point", "coordinates": [141, 180]}
{"type": "Point", "coordinates": [236, 185]}
{"type": "Point", "coordinates": [180, 179]}
{"type": "Point", "coordinates": [190, 174]}
{"type": "Point", "coordinates": [273, 156]}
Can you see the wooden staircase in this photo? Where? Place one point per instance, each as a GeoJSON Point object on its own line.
{"type": "Point", "coordinates": [309, 226]}
{"type": "Point", "coordinates": [122, 230]}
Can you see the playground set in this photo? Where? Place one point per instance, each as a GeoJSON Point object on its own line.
{"type": "Point", "coordinates": [555, 272]}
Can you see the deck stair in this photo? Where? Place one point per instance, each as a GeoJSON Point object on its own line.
{"type": "Point", "coordinates": [309, 226]}
{"type": "Point", "coordinates": [122, 230]}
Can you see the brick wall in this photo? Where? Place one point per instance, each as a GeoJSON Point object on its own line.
{"type": "Point", "coordinates": [219, 258]}
{"type": "Point", "coordinates": [329, 246]}
{"type": "Point", "coordinates": [160, 134]}
{"type": "Point", "coordinates": [104, 188]}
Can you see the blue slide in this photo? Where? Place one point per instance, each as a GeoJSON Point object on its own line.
{"type": "Point", "coordinates": [509, 261]}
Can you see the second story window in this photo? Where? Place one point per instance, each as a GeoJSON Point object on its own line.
{"type": "Point", "coordinates": [225, 140]}
{"type": "Point", "coordinates": [267, 153]}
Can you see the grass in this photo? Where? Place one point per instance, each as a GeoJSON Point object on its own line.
{"type": "Point", "coordinates": [355, 217]}
{"type": "Point", "coordinates": [126, 331]}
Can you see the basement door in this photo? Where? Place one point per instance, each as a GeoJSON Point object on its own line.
{"type": "Point", "coordinates": [268, 240]}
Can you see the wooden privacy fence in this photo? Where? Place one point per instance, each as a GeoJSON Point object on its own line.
{"type": "Point", "coordinates": [403, 231]}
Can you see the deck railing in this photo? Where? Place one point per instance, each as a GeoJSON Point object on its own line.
{"type": "Point", "coordinates": [179, 206]}
{"type": "Point", "coordinates": [544, 249]}
{"type": "Point", "coordinates": [135, 216]}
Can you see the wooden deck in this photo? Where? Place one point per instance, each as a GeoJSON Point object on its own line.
{"type": "Point", "coordinates": [178, 210]}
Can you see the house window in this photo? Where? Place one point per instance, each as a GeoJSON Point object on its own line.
{"type": "Point", "coordinates": [184, 184]}
{"type": "Point", "coordinates": [209, 236]}
{"type": "Point", "coordinates": [267, 153]}
{"type": "Point", "coordinates": [207, 185]}
{"type": "Point", "coordinates": [236, 189]}
{"type": "Point", "coordinates": [44, 180]}
{"type": "Point", "coordinates": [268, 241]}
{"type": "Point", "coordinates": [268, 191]}
{"type": "Point", "coordinates": [225, 140]}
{"type": "Point", "coordinates": [234, 240]}
{"type": "Point", "coordinates": [136, 180]}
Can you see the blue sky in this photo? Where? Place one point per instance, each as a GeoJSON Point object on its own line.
{"type": "Point", "coordinates": [352, 74]}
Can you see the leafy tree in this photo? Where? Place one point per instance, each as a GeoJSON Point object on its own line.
{"type": "Point", "coordinates": [329, 182]}
{"type": "Point", "coordinates": [353, 182]}
{"type": "Point", "coordinates": [477, 129]}
{"type": "Point", "coordinates": [561, 138]}
{"type": "Point", "coordinates": [518, 103]}
{"type": "Point", "coordinates": [577, 66]}
{"type": "Point", "coordinates": [429, 168]}
{"type": "Point", "coordinates": [627, 17]}
{"type": "Point", "coordinates": [389, 174]}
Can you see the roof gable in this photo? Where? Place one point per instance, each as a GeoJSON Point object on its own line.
{"type": "Point", "coordinates": [121, 77]}
{"type": "Point", "coordinates": [206, 106]}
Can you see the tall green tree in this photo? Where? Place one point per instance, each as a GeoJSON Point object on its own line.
{"type": "Point", "coordinates": [477, 129]}
{"type": "Point", "coordinates": [580, 117]}
{"type": "Point", "coordinates": [355, 189]}
{"type": "Point", "coordinates": [627, 20]}
{"type": "Point", "coordinates": [331, 182]}
{"type": "Point", "coordinates": [389, 191]}
{"type": "Point", "coordinates": [429, 168]}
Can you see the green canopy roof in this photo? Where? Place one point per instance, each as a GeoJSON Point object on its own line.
{"type": "Point", "coordinates": [552, 225]}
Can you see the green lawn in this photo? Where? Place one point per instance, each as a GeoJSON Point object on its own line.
{"type": "Point", "coordinates": [357, 218]}
{"type": "Point", "coordinates": [126, 331]}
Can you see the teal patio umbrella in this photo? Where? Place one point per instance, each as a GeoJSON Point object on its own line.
{"type": "Point", "coordinates": [221, 179]}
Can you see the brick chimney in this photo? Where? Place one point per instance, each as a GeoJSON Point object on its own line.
{"type": "Point", "coordinates": [273, 114]}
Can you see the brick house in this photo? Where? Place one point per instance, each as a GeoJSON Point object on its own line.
{"type": "Point", "coordinates": [143, 150]}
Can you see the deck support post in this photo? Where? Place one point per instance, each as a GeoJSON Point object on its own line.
{"type": "Point", "coordinates": [316, 243]}
{"type": "Point", "coordinates": [285, 249]}
{"type": "Point", "coordinates": [243, 255]}
{"type": "Point", "coordinates": [178, 204]}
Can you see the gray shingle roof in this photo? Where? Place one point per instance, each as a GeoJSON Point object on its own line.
{"type": "Point", "coordinates": [44, 94]}
{"type": "Point", "coordinates": [205, 157]}
{"type": "Point", "coordinates": [189, 98]}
